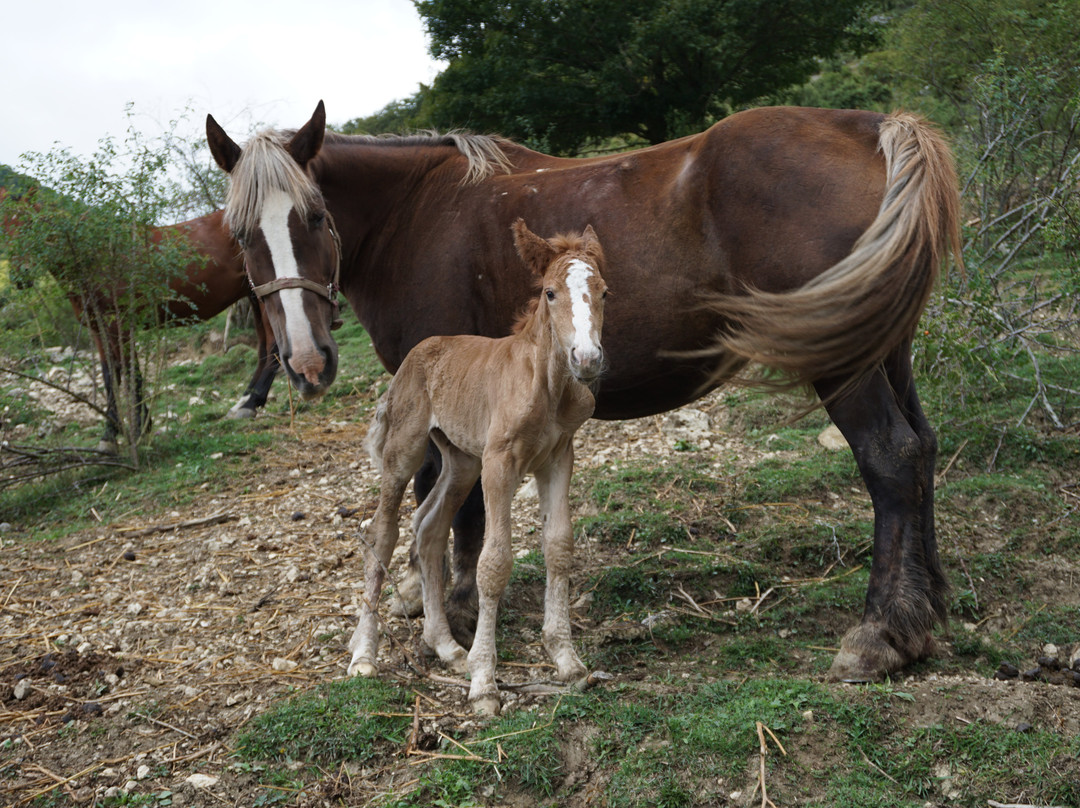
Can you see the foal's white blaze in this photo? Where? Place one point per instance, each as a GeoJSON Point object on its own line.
{"type": "Point", "coordinates": [274, 222]}
{"type": "Point", "coordinates": [586, 345]}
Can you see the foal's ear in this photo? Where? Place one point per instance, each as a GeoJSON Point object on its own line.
{"type": "Point", "coordinates": [307, 141]}
{"type": "Point", "coordinates": [590, 243]}
{"type": "Point", "coordinates": [534, 251]}
{"type": "Point", "coordinates": [223, 147]}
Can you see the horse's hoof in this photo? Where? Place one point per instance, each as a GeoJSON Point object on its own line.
{"type": "Point", "coordinates": [487, 705]}
{"type": "Point", "coordinates": [362, 667]}
{"type": "Point", "coordinates": [240, 414]}
{"type": "Point", "coordinates": [865, 656]}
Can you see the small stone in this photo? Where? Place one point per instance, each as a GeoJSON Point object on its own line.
{"type": "Point", "coordinates": [129, 556]}
{"type": "Point", "coordinates": [1050, 649]}
{"type": "Point", "coordinates": [22, 687]}
{"type": "Point", "coordinates": [201, 780]}
{"type": "Point", "coordinates": [130, 786]}
{"type": "Point", "coordinates": [1050, 662]}
{"type": "Point", "coordinates": [1024, 726]}
{"type": "Point", "coordinates": [142, 772]}
{"type": "Point", "coordinates": [1031, 675]}
{"type": "Point", "coordinates": [296, 517]}
{"type": "Point", "coordinates": [5, 527]}
{"type": "Point", "coordinates": [831, 439]}
{"type": "Point", "coordinates": [283, 665]}
{"type": "Point", "coordinates": [134, 608]}
{"type": "Point", "coordinates": [111, 792]}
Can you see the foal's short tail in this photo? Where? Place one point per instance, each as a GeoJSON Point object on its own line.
{"type": "Point", "coordinates": [847, 320]}
{"type": "Point", "coordinates": [376, 436]}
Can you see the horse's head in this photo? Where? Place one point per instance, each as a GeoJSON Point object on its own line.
{"type": "Point", "coordinates": [573, 293]}
{"type": "Point", "coordinates": [292, 254]}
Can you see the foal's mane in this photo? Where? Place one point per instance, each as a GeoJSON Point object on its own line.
{"type": "Point", "coordinates": [484, 153]}
{"type": "Point", "coordinates": [266, 166]}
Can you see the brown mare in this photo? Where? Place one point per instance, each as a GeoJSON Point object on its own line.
{"type": "Point", "coordinates": [210, 284]}
{"type": "Point", "coordinates": [497, 409]}
{"type": "Point", "coordinates": [817, 235]}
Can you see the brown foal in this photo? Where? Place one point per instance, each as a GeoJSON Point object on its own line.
{"type": "Point", "coordinates": [498, 409]}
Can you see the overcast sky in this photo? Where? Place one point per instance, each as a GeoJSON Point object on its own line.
{"type": "Point", "coordinates": [68, 68]}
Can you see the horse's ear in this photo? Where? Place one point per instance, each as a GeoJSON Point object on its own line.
{"type": "Point", "coordinates": [226, 152]}
{"type": "Point", "coordinates": [305, 144]}
{"type": "Point", "coordinates": [534, 251]}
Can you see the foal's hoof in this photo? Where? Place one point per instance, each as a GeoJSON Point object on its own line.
{"type": "Point", "coordinates": [487, 705]}
{"type": "Point", "coordinates": [362, 667]}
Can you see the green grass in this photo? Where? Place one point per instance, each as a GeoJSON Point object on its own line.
{"type": "Point", "coordinates": [335, 721]}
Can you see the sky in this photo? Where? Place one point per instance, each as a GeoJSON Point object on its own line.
{"type": "Point", "coordinates": [69, 69]}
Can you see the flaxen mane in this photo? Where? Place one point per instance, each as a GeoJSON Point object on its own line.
{"type": "Point", "coordinates": [266, 166]}
{"type": "Point", "coordinates": [484, 153]}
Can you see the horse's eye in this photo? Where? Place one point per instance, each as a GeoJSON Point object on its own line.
{"type": "Point", "coordinates": [550, 294]}
{"type": "Point", "coordinates": [317, 220]}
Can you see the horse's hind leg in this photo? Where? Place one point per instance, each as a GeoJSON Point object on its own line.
{"type": "Point", "coordinates": [399, 463]}
{"type": "Point", "coordinates": [895, 449]}
{"type": "Point", "coordinates": [432, 526]}
{"type": "Point", "coordinates": [553, 485]}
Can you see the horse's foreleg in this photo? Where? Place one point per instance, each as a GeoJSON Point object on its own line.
{"type": "Point", "coordinates": [254, 397]}
{"type": "Point", "coordinates": [553, 484]}
{"type": "Point", "coordinates": [895, 450]}
{"type": "Point", "coordinates": [492, 574]}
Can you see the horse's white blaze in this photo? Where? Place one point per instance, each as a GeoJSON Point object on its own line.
{"type": "Point", "coordinates": [274, 222]}
{"type": "Point", "coordinates": [585, 336]}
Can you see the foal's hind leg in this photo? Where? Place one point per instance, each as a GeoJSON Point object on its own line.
{"type": "Point", "coordinates": [432, 525]}
{"type": "Point", "coordinates": [398, 466]}
{"type": "Point", "coordinates": [895, 449]}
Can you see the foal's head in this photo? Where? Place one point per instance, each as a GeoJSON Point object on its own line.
{"type": "Point", "coordinates": [277, 215]}
{"type": "Point", "coordinates": [573, 293]}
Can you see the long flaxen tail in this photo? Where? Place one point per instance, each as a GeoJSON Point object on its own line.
{"type": "Point", "coordinates": [848, 319]}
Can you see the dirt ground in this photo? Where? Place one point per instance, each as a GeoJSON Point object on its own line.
{"type": "Point", "coordinates": [131, 655]}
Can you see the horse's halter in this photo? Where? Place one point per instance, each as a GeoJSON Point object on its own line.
{"type": "Point", "coordinates": [328, 291]}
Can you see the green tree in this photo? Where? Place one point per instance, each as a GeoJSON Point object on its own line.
{"type": "Point", "coordinates": [558, 73]}
{"type": "Point", "coordinates": [89, 230]}
{"type": "Point", "coordinates": [397, 116]}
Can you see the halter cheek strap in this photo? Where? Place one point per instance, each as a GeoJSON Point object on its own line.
{"type": "Point", "coordinates": [328, 291]}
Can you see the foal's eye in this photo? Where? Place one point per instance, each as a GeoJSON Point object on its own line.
{"type": "Point", "coordinates": [550, 294]}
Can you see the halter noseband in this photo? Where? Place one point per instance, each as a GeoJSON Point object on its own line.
{"type": "Point", "coordinates": [328, 291]}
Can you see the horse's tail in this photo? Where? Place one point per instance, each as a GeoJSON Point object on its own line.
{"type": "Point", "coordinates": [376, 436]}
{"type": "Point", "coordinates": [845, 321]}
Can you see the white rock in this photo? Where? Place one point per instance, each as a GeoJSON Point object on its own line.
{"type": "Point", "coordinates": [201, 780]}
{"type": "Point", "coordinates": [686, 424]}
{"type": "Point", "coordinates": [142, 772]}
{"type": "Point", "coordinates": [832, 439]}
{"type": "Point", "coordinates": [282, 664]}
{"type": "Point", "coordinates": [22, 687]}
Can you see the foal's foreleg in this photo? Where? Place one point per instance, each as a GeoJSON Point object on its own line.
{"type": "Point", "coordinates": [553, 484]}
{"type": "Point", "coordinates": [500, 480]}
